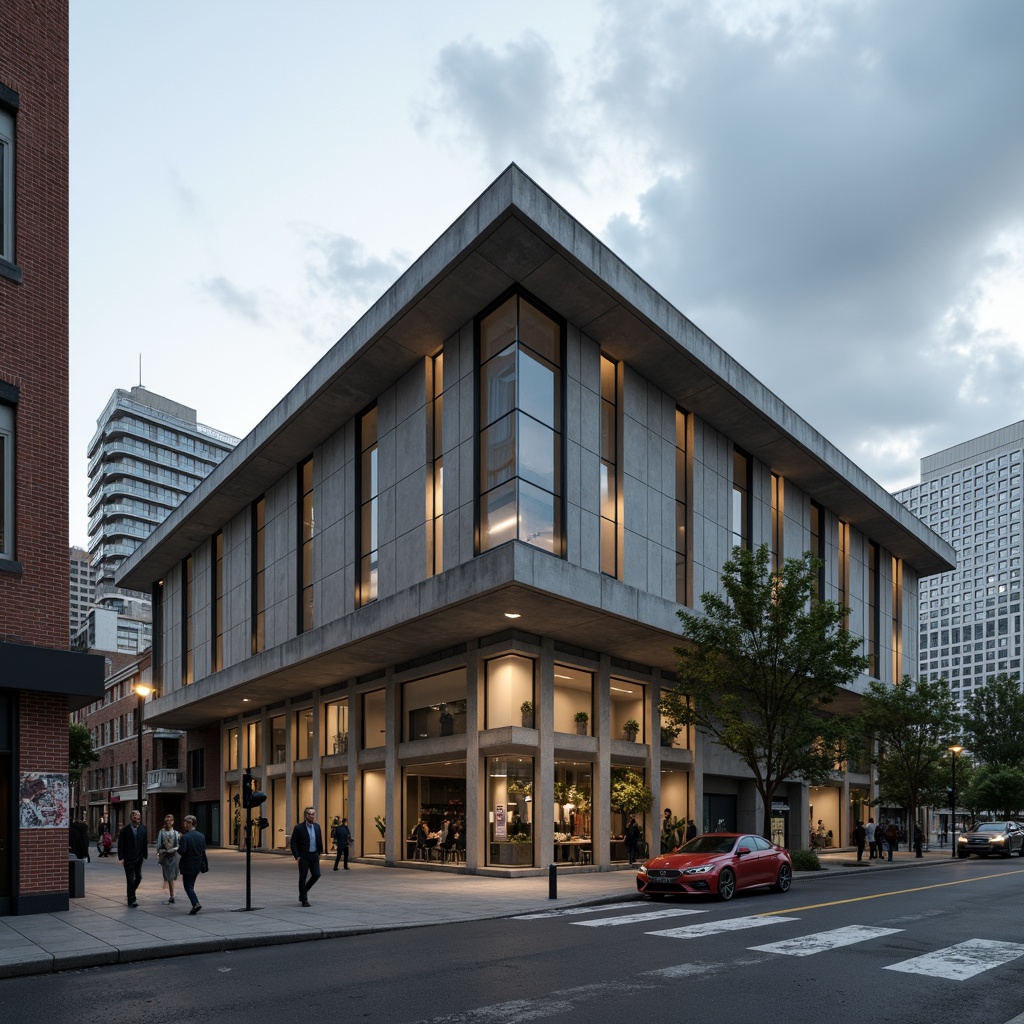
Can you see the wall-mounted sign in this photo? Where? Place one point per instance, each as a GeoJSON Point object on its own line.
{"type": "Point", "coordinates": [500, 824]}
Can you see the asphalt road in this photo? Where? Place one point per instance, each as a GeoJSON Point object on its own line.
{"type": "Point", "coordinates": [938, 944]}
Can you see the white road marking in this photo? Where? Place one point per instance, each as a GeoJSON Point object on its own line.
{"type": "Point", "coordinates": [735, 924]}
{"type": "Point", "coordinates": [820, 942]}
{"type": "Point", "coordinates": [649, 915]}
{"type": "Point", "coordinates": [962, 961]}
{"type": "Point", "coordinates": [569, 911]}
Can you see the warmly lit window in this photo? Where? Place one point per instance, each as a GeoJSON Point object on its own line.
{"type": "Point", "coordinates": [232, 758]}
{"type": "Point", "coordinates": [627, 710]}
{"type": "Point", "coordinates": [278, 739]}
{"type": "Point", "coordinates": [6, 178]}
{"type": "Point", "coordinates": [303, 734]}
{"type": "Point", "coordinates": [187, 650]}
{"type": "Point", "coordinates": [574, 701]}
{"type": "Point", "coordinates": [6, 481]}
{"type": "Point", "coordinates": [610, 483]}
{"type": "Point", "coordinates": [368, 510]}
{"type": "Point", "coordinates": [510, 692]}
{"type": "Point", "coordinates": [741, 496]}
{"type": "Point", "coordinates": [682, 506]}
{"type": "Point", "coordinates": [259, 569]}
{"type": "Point", "coordinates": [253, 753]}
{"type": "Point", "coordinates": [510, 811]}
{"type": "Point", "coordinates": [844, 568]}
{"type": "Point", "coordinates": [778, 498]}
{"type": "Point", "coordinates": [306, 524]}
{"type": "Point", "coordinates": [217, 601]}
{"type": "Point", "coordinates": [336, 726]}
{"type": "Point", "coordinates": [873, 609]}
{"type": "Point", "coordinates": [374, 719]}
{"type": "Point", "coordinates": [520, 484]}
{"type": "Point", "coordinates": [574, 788]}
{"type": "Point", "coordinates": [436, 561]}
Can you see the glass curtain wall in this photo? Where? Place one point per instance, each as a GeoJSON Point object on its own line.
{"type": "Point", "coordinates": [435, 803]}
{"type": "Point", "coordinates": [627, 710]}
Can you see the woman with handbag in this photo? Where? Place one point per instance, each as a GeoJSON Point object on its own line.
{"type": "Point", "coordinates": [167, 854]}
{"type": "Point", "coordinates": [193, 862]}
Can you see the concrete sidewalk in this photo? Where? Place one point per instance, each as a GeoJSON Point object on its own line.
{"type": "Point", "coordinates": [100, 929]}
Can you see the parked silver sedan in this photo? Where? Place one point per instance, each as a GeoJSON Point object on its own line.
{"type": "Point", "coordinates": [998, 837]}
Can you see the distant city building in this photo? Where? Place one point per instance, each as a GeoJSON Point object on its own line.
{"type": "Point", "coordinates": [970, 616]}
{"type": "Point", "coordinates": [147, 455]}
{"type": "Point", "coordinates": [129, 631]}
{"type": "Point", "coordinates": [82, 591]}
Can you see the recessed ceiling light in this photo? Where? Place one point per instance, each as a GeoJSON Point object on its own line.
{"type": "Point", "coordinates": [245, 700]}
{"type": "Point", "coordinates": [512, 615]}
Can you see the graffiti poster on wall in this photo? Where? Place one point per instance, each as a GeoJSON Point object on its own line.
{"type": "Point", "coordinates": [44, 800]}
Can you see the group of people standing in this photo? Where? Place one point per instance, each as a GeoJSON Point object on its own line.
{"type": "Point", "coordinates": [879, 839]}
{"type": "Point", "coordinates": [181, 854]}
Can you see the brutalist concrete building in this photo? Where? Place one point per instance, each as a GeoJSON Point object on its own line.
{"type": "Point", "coordinates": [439, 582]}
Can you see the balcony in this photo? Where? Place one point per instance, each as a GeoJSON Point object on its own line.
{"type": "Point", "coordinates": [166, 780]}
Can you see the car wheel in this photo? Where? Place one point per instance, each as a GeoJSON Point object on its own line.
{"type": "Point", "coordinates": [726, 884]}
{"type": "Point", "coordinates": [1006, 854]}
{"type": "Point", "coordinates": [785, 879]}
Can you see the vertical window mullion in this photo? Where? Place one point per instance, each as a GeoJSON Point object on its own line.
{"type": "Point", "coordinates": [304, 549]}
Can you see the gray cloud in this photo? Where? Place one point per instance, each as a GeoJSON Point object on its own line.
{"type": "Point", "coordinates": [341, 266]}
{"type": "Point", "coordinates": [233, 299]}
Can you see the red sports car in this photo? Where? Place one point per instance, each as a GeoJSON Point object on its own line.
{"type": "Point", "coordinates": [717, 863]}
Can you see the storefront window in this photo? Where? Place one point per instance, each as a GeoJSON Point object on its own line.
{"type": "Point", "coordinates": [574, 787]}
{"type": "Point", "coordinates": [629, 797]}
{"type": "Point", "coordinates": [435, 706]}
{"type": "Point", "coordinates": [304, 734]}
{"type": "Point", "coordinates": [253, 744]}
{"type": "Point", "coordinates": [677, 736]}
{"type": "Point", "coordinates": [232, 758]}
{"type": "Point", "coordinates": [373, 827]}
{"type": "Point", "coordinates": [627, 710]}
{"type": "Point", "coordinates": [509, 688]}
{"type": "Point", "coordinates": [278, 749]}
{"type": "Point", "coordinates": [509, 811]}
{"type": "Point", "coordinates": [336, 727]}
{"type": "Point", "coordinates": [435, 796]}
{"type": "Point", "coordinates": [374, 723]}
{"type": "Point", "coordinates": [336, 804]}
{"type": "Point", "coordinates": [574, 701]}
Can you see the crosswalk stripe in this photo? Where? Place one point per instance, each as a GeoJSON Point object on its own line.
{"type": "Point", "coordinates": [735, 924]}
{"type": "Point", "coordinates": [820, 942]}
{"type": "Point", "coordinates": [570, 911]}
{"type": "Point", "coordinates": [649, 915]}
{"type": "Point", "coordinates": [962, 961]}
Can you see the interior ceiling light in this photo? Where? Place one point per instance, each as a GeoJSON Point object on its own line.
{"type": "Point", "coordinates": [558, 676]}
{"type": "Point", "coordinates": [512, 615]}
{"type": "Point", "coordinates": [619, 689]}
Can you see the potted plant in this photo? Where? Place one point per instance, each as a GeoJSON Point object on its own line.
{"type": "Point", "coordinates": [527, 711]}
{"type": "Point", "coordinates": [630, 730]}
{"type": "Point", "coordinates": [581, 722]}
{"type": "Point", "coordinates": [669, 734]}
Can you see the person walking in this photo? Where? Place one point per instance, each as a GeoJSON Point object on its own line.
{"type": "Point", "coordinates": [132, 850]}
{"type": "Point", "coordinates": [167, 854]}
{"type": "Point", "coordinates": [691, 830]}
{"type": "Point", "coordinates": [859, 837]}
{"type": "Point", "coordinates": [869, 830]}
{"type": "Point", "coordinates": [193, 862]}
{"type": "Point", "coordinates": [342, 839]}
{"type": "Point", "coordinates": [892, 837]}
{"type": "Point", "coordinates": [632, 836]}
{"type": "Point", "coordinates": [880, 839]}
{"type": "Point", "coordinates": [307, 846]}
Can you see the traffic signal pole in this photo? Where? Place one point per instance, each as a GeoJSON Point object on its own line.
{"type": "Point", "coordinates": [250, 798]}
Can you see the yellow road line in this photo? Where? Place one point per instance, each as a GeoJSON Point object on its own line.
{"type": "Point", "coordinates": [895, 892]}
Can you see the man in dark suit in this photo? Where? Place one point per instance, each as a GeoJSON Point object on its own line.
{"type": "Point", "coordinates": [307, 845]}
{"type": "Point", "coordinates": [132, 850]}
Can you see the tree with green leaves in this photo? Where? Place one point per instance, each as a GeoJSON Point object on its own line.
{"type": "Point", "coordinates": [760, 667]}
{"type": "Point", "coordinates": [914, 724]}
{"type": "Point", "coordinates": [995, 790]}
{"type": "Point", "coordinates": [993, 723]}
{"type": "Point", "coordinates": [629, 795]}
{"type": "Point", "coordinates": [80, 753]}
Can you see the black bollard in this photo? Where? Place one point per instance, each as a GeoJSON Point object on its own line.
{"type": "Point", "coordinates": [552, 883]}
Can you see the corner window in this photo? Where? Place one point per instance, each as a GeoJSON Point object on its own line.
{"type": "Point", "coordinates": [6, 482]}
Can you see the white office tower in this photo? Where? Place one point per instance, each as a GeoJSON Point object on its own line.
{"type": "Point", "coordinates": [146, 456]}
{"type": "Point", "coordinates": [970, 617]}
{"type": "Point", "coordinates": [82, 589]}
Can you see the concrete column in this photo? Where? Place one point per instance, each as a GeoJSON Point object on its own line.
{"type": "Point", "coordinates": [392, 773]}
{"type": "Point", "coordinates": [544, 766]}
{"type": "Point", "coordinates": [476, 815]}
{"type": "Point", "coordinates": [601, 801]}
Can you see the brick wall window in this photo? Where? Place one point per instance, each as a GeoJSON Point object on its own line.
{"type": "Point", "coordinates": [8, 105]}
{"type": "Point", "coordinates": [6, 481]}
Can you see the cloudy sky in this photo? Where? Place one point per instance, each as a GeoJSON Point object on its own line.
{"type": "Point", "coordinates": [832, 190]}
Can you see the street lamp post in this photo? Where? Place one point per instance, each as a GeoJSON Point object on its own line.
{"type": "Point", "coordinates": [953, 750]}
{"type": "Point", "coordinates": [142, 690]}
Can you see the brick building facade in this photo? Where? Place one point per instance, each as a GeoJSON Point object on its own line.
{"type": "Point", "coordinates": [41, 681]}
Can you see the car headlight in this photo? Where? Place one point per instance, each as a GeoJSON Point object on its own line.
{"type": "Point", "coordinates": [961, 839]}
{"type": "Point", "coordinates": [642, 870]}
{"type": "Point", "coordinates": [997, 839]}
{"type": "Point", "coordinates": [703, 869]}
